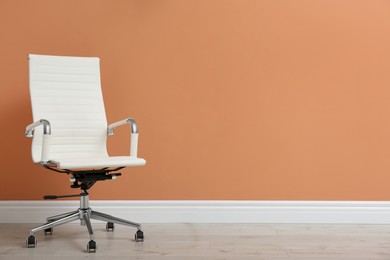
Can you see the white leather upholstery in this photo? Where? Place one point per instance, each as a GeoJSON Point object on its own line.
{"type": "Point", "coordinates": [66, 91]}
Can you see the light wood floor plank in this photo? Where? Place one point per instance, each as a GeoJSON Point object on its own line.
{"type": "Point", "coordinates": [204, 242]}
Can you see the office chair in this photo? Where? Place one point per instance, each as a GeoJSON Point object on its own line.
{"type": "Point", "coordinates": [69, 136]}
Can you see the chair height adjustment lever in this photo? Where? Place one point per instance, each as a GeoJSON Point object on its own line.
{"type": "Point", "coordinates": [54, 197]}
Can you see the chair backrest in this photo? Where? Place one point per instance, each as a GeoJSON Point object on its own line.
{"type": "Point", "coordinates": [67, 92]}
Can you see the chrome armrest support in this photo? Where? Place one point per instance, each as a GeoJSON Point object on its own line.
{"type": "Point", "coordinates": [131, 121]}
{"type": "Point", "coordinates": [134, 133]}
{"type": "Point", "coordinates": [45, 138]}
{"type": "Point", "coordinates": [46, 128]}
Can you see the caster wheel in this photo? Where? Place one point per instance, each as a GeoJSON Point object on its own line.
{"type": "Point", "coordinates": [139, 236]}
{"type": "Point", "coordinates": [91, 246]}
{"type": "Point", "coordinates": [49, 231]}
{"type": "Point", "coordinates": [31, 242]}
{"type": "Point", "coordinates": [110, 227]}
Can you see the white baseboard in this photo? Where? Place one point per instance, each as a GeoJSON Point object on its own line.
{"type": "Point", "coordinates": [221, 211]}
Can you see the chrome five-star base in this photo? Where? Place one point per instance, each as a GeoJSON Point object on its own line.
{"type": "Point", "coordinates": [84, 214]}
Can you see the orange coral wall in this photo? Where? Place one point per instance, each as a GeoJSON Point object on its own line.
{"type": "Point", "coordinates": [236, 99]}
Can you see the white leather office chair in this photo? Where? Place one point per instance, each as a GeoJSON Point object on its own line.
{"type": "Point", "coordinates": [69, 135]}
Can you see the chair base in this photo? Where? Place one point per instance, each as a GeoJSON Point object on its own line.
{"type": "Point", "coordinates": [84, 214]}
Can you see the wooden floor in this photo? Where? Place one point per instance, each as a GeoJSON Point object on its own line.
{"type": "Point", "coordinates": [203, 241]}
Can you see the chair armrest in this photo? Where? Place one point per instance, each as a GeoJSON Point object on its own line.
{"type": "Point", "coordinates": [45, 139]}
{"type": "Point", "coordinates": [131, 121]}
{"type": "Point", "coordinates": [134, 133]}
{"type": "Point", "coordinates": [46, 128]}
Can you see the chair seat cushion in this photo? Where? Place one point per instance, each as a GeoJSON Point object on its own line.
{"type": "Point", "coordinates": [100, 162]}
